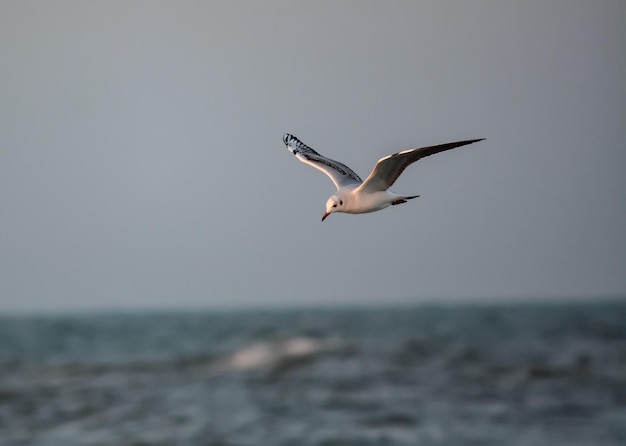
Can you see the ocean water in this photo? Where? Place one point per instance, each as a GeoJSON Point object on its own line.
{"type": "Point", "coordinates": [460, 375]}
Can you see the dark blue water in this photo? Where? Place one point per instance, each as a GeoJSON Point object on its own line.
{"type": "Point", "coordinates": [463, 375]}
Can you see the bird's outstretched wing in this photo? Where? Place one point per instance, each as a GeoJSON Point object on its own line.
{"type": "Point", "coordinates": [389, 168]}
{"type": "Point", "coordinates": [339, 173]}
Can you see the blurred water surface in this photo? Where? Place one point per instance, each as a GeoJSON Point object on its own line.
{"type": "Point", "coordinates": [524, 374]}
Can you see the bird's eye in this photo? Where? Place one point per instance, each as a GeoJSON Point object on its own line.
{"type": "Point", "coordinates": [341, 202]}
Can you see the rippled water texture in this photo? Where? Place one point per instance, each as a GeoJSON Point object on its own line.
{"type": "Point", "coordinates": [465, 375]}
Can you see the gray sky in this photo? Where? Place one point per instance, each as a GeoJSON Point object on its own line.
{"type": "Point", "coordinates": [142, 163]}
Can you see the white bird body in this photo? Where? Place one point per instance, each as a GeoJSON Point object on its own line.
{"type": "Point", "coordinates": [355, 196]}
{"type": "Point", "coordinates": [356, 203]}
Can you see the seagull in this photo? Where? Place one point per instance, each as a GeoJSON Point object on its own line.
{"type": "Point", "coordinates": [355, 196]}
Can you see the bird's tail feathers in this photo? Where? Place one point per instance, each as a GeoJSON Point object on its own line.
{"type": "Point", "coordinates": [401, 200]}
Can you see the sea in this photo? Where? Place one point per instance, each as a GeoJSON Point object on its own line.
{"type": "Point", "coordinates": [460, 374]}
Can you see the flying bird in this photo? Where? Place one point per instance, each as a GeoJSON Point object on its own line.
{"type": "Point", "coordinates": [355, 196]}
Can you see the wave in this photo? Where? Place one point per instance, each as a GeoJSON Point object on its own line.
{"type": "Point", "coordinates": [279, 354]}
{"type": "Point", "coordinates": [273, 356]}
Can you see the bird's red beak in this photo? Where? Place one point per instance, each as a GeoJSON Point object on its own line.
{"type": "Point", "coordinates": [326, 214]}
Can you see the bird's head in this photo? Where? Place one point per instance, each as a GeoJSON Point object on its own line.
{"type": "Point", "coordinates": [334, 204]}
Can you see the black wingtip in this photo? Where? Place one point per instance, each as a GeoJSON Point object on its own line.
{"type": "Point", "coordinates": [469, 141]}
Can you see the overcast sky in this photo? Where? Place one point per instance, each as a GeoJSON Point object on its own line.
{"type": "Point", "coordinates": [142, 162]}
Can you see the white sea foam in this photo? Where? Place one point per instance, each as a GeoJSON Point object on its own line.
{"type": "Point", "coordinates": [271, 354]}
